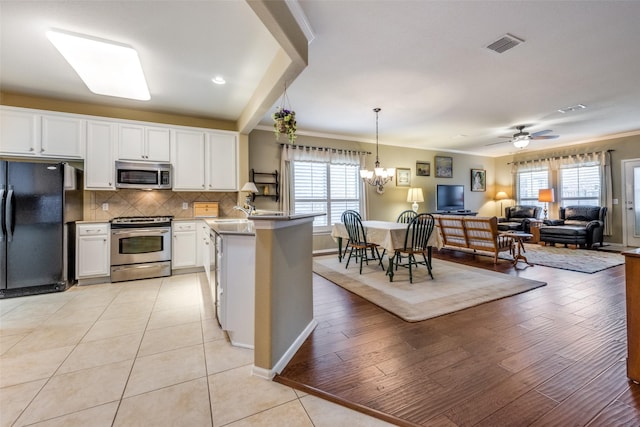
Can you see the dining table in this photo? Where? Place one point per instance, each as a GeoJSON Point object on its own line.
{"type": "Point", "coordinates": [389, 235]}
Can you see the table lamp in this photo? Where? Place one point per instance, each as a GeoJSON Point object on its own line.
{"type": "Point", "coordinates": [546, 195]}
{"type": "Point", "coordinates": [249, 188]}
{"type": "Point", "coordinates": [501, 195]}
{"type": "Point", "coordinates": [415, 195]}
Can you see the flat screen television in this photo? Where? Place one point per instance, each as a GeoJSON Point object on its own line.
{"type": "Point", "coordinates": [449, 197]}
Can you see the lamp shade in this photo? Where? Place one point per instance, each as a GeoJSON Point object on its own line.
{"type": "Point", "coordinates": [415, 195]}
{"type": "Point", "coordinates": [250, 187]}
{"type": "Point", "coordinates": [501, 195]}
{"type": "Point", "coordinates": [546, 195]}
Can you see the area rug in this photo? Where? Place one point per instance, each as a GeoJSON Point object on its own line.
{"type": "Point", "coordinates": [582, 260]}
{"type": "Point", "coordinates": [453, 288]}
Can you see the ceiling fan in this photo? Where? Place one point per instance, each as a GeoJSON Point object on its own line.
{"type": "Point", "coordinates": [521, 138]}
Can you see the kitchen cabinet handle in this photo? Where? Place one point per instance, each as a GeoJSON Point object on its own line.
{"type": "Point", "coordinates": [30, 148]}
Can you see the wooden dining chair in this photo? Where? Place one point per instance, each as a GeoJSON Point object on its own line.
{"type": "Point", "coordinates": [344, 252]}
{"type": "Point", "coordinates": [358, 241]}
{"type": "Point", "coordinates": [406, 216]}
{"type": "Point", "coordinates": [416, 242]}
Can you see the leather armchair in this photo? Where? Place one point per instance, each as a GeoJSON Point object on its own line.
{"type": "Point", "coordinates": [518, 218]}
{"type": "Point", "coordinates": [574, 219]}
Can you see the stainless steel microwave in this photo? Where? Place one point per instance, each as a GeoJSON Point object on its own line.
{"type": "Point", "coordinates": [143, 175]}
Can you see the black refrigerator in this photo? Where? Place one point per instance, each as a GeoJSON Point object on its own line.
{"type": "Point", "coordinates": [39, 203]}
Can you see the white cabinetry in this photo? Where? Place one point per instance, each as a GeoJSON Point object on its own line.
{"type": "Point", "coordinates": [236, 287]}
{"type": "Point", "coordinates": [138, 142]}
{"type": "Point", "coordinates": [188, 159]}
{"type": "Point", "coordinates": [184, 245]}
{"type": "Point", "coordinates": [92, 251]}
{"type": "Point", "coordinates": [204, 161]}
{"type": "Point", "coordinates": [25, 132]}
{"type": "Point", "coordinates": [19, 132]}
{"type": "Point", "coordinates": [223, 162]}
{"type": "Point", "coordinates": [100, 156]}
{"type": "Point", "coordinates": [62, 136]}
{"type": "Point", "coordinates": [203, 248]}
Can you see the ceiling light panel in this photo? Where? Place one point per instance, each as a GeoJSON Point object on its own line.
{"type": "Point", "coordinates": [105, 67]}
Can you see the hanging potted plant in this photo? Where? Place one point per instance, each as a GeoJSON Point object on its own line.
{"type": "Point", "coordinates": [284, 119]}
{"type": "Point", "coordinates": [284, 122]}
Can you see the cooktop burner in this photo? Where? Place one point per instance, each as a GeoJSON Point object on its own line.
{"type": "Point", "coordinates": [142, 220]}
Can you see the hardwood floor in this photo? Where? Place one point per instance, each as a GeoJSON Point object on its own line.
{"type": "Point", "coordinates": [553, 356]}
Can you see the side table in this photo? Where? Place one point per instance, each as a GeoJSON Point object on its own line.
{"type": "Point", "coordinates": [534, 226]}
{"type": "Point", "coordinates": [517, 248]}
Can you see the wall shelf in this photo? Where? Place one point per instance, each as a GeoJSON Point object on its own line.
{"type": "Point", "coordinates": [268, 184]}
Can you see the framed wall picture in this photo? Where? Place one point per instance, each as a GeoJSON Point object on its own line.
{"type": "Point", "coordinates": [403, 177]}
{"type": "Point", "coordinates": [423, 169]}
{"type": "Point", "coordinates": [478, 180]}
{"type": "Point", "coordinates": [444, 167]}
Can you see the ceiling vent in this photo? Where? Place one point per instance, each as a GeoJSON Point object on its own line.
{"type": "Point", "coordinates": [505, 43]}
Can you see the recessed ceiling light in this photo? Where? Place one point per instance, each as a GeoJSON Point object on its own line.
{"type": "Point", "coordinates": [105, 67]}
{"type": "Point", "coordinates": [218, 80]}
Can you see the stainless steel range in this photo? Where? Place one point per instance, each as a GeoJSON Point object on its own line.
{"type": "Point", "coordinates": [140, 247]}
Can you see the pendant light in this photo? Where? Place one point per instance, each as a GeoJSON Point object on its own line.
{"type": "Point", "coordinates": [379, 176]}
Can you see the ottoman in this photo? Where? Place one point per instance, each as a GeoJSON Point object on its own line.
{"type": "Point", "coordinates": [567, 234]}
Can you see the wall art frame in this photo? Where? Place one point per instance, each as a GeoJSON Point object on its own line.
{"type": "Point", "coordinates": [478, 180]}
{"type": "Point", "coordinates": [403, 177]}
{"type": "Point", "coordinates": [423, 169]}
{"type": "Point", "coordinates": [444, 166]}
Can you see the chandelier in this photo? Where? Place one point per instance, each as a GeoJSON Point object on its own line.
{"type": "Point", "coordinates": [379, 176]}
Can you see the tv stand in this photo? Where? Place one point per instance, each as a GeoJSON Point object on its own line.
{"type": "Point", "coordinates": [462, 212]}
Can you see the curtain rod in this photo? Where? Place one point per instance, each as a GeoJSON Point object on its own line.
{"type": "Point", "coordinates": [559, 157]}
{"type": "Point", "coordinates": [334, 150]}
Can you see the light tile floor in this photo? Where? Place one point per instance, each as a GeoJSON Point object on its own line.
{"type": "Point", "coordinates": [141, 353]}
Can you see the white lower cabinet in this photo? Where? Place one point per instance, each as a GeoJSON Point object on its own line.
{"type": "Point", "coordinates": [184, 252]}
{"type": "Point", "coordinates": [92, 251]}
{"type": "Point", "coordinates": [203, 248]}
{"type": "Point", "coordinates": [236, 287]}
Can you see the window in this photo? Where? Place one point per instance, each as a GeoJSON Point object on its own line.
{"type": "Point", "coordinates": [529, 182]}
{"type": "Point", "coordinates": [325, 187]}
{"type": "Point", "coordinates": [580, 184]}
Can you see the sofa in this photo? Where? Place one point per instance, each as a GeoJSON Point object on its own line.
{"type": "Point", "coordinates": [473, 232]}
{"type": "Point", "coordinates": [517, 218]}
{"type": "Point", "coordinates": [582, 226]}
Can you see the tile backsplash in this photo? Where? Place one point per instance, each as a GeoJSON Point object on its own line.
{"type": "Point", "coordinates": [153, 203]}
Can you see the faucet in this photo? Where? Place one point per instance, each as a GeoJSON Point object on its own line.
{"type": "Point", "coordinates": [247, 211]}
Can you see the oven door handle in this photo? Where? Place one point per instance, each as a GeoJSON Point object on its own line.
{"type": "Point", "coordinates": [139, 233]}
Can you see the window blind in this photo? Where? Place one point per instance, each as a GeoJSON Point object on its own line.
{"type": "Point", "coordinates": [529, 182]}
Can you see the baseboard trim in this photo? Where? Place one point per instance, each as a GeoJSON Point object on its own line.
{"type": "Point", "coordinates": [269, 374]}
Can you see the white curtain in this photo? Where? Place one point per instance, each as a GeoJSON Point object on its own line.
{"type": "Point", "coordinates": [291, 153]}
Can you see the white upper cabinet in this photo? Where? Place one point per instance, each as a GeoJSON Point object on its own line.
{"type": "Point", "coordinates": [100, 155]}
{"type": "Point", "coordinates": [188, 159]}
{"type": "Point", "coordinates": [144, 143]}
{"type": "Point", "coordinates": [30, 133]}
{"type": "Point", "coordinates": [19, 132]}
{"type": "Point", "coordinates": [223, 162]}
{"type": "Point", "coordinates": [62, 136]}
{"type": "Point", "coordinates": [204, 161]}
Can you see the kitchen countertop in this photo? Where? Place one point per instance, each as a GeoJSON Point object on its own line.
{"type": "Point", "coordinates": [231, 226]}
